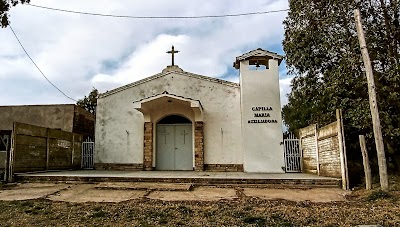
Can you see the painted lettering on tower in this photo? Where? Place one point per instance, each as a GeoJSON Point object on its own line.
{"type": "Point", "coordinates": [261, 112]}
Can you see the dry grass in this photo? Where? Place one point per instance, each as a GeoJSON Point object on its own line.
{"type": "Point", "coordinates": [383, 210]}
{"type": "Point", "coordinates": [362, 208]}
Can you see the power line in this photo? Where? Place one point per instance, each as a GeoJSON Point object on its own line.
{"type": "Point", "coordinates": [38, 66]}
{"type": "Point", "coordinates": [160, 17]}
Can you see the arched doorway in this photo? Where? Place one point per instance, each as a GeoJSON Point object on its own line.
{"type": "Point", "coordinates": [174, 144]}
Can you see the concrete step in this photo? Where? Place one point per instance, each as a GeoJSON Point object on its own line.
{"type": "Point", "coordinates": [225, 182]}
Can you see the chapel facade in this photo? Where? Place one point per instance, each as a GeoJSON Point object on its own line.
{"type": "Point", "coordinates": [180, 121]}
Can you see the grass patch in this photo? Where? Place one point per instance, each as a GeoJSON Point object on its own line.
{"type": "Point", "coordinates": [184, 210]}
{"type": "Point", "coordinates": [26, 203]}
{"type": "Point", "coordinates": [158, 214]}
{"type": "Point", "coordinates": [258, 221]}
{"type": "Point", "coordinates": [98, 212]}
{"type": "Point", "coordinates": [35, 210]}
{"type": "Point", "coordinates": [375, 195]}
{"type": "Point", "coordinates": [280, 221]}
{"type": "Point", "coordinates": [163, 220]}
{"type": "Point", "coordinates": [248, 208]}
{"type": "Point", "coordinates": [98, 208]}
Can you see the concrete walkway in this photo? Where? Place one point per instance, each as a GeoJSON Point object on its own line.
{"type": "Point", "coordinates": [124, 191]}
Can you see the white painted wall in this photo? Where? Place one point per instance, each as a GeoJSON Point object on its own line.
{"type": "Point", "coordinates": [119, 127]}
{"type": "Point", "coordinates": [261, 141]}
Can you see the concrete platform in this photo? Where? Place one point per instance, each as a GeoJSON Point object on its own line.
{"type": "Point", "coordinates": [284, 180]}
{"type": "Point", "coordinates": [115, 192]}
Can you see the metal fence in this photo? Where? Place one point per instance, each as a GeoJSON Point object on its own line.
{"type": "Point", "coordinates": [292, 154]}
{"type": "Point", "coordinates": [88, 154]}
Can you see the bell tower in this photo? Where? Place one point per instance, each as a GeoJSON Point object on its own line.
{"type": "Point", "coordinates": [261, 111]}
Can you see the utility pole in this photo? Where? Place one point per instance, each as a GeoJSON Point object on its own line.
{"type": "Point", "coordinates": [380, 150]}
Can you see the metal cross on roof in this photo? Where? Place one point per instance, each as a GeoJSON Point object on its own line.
{"type": "Point", "coordinates": [173, 52]}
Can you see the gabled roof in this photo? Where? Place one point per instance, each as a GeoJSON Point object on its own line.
{"type": "Point", "coordinates": [257, 53]}
{"type": "Point", "coordinates": [166, 94]}
{"type": "Point", "coordinates": [162, 74]}
{"type": "Point", "coordinates": [194, 104]}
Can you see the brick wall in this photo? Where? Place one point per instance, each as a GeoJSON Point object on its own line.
{"type": "Point", "coordinates": [224, 167]}
{"type": "Point", "coordinates": [199, 146]}
{"type": "Point", "coordinates": [115, 166]}
{"type": "Point", "coordinates": [148, 146]}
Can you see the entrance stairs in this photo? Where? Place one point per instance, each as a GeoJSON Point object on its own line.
{"type": "Point", "coordinates": [225, 179]}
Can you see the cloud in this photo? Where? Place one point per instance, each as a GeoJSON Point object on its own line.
{"type": "Point", "coordinates": [147, 60]}
{"type": "Point", "coordinates": [77, 52]}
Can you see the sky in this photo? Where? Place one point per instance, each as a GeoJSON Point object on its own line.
{"type": "Point", "coordinates": [80, 52]}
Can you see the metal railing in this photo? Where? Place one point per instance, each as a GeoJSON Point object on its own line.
{"type": "Point", "coordinates": [88, 154]}
{"type": "Point", "coordinates": [292, 154]}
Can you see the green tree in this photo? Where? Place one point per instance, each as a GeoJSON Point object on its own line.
{"type": "Point", "coordinates": [89, 103]}
{"type": "Point", "coordinates": [323, 54]}
{"type": "Point", "coordinates": [5, 6]}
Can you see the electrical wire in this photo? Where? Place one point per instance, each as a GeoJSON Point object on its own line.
{"type": "Point", "coordinates": [38, 66]}
{"type": "Point", "coordinates": [160, 17]}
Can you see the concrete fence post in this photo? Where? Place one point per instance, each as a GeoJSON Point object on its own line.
{"type": "Point", "coordinates": [367, 168]}
{"type": "Point", "coordinates": [47, 147]}
{"type": "Point", "coordinates": [72, 150]}
{"type": "Point", "coordinates": [316, 148]}
{"type": "Point", "coordinates": [342, 150]}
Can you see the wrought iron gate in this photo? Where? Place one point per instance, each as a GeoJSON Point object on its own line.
{"type": "Point", "coordinates": [88, 154]}
{"type": "Point", "coordinates": [292, 154]}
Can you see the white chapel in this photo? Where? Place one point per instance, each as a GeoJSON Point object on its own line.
{"type": "Point", "coordinates": [177, 120]}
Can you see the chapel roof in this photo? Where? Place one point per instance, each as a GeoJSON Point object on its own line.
{"type": "Point", "coordinates": [257, 53]}
{"type": "Point", "coordinates": [169, 94]}
{"type": "Point", "coordinates": [165, 72]}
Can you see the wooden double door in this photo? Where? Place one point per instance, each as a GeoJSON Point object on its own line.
{"type": "Point", "coordinates": [174, 147]}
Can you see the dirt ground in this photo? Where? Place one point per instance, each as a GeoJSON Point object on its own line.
{"type": "Point", "coordinates": [144, 204]}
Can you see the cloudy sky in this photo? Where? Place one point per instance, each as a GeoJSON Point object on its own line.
{"type": "Point", "coordinates": [79, 52]}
